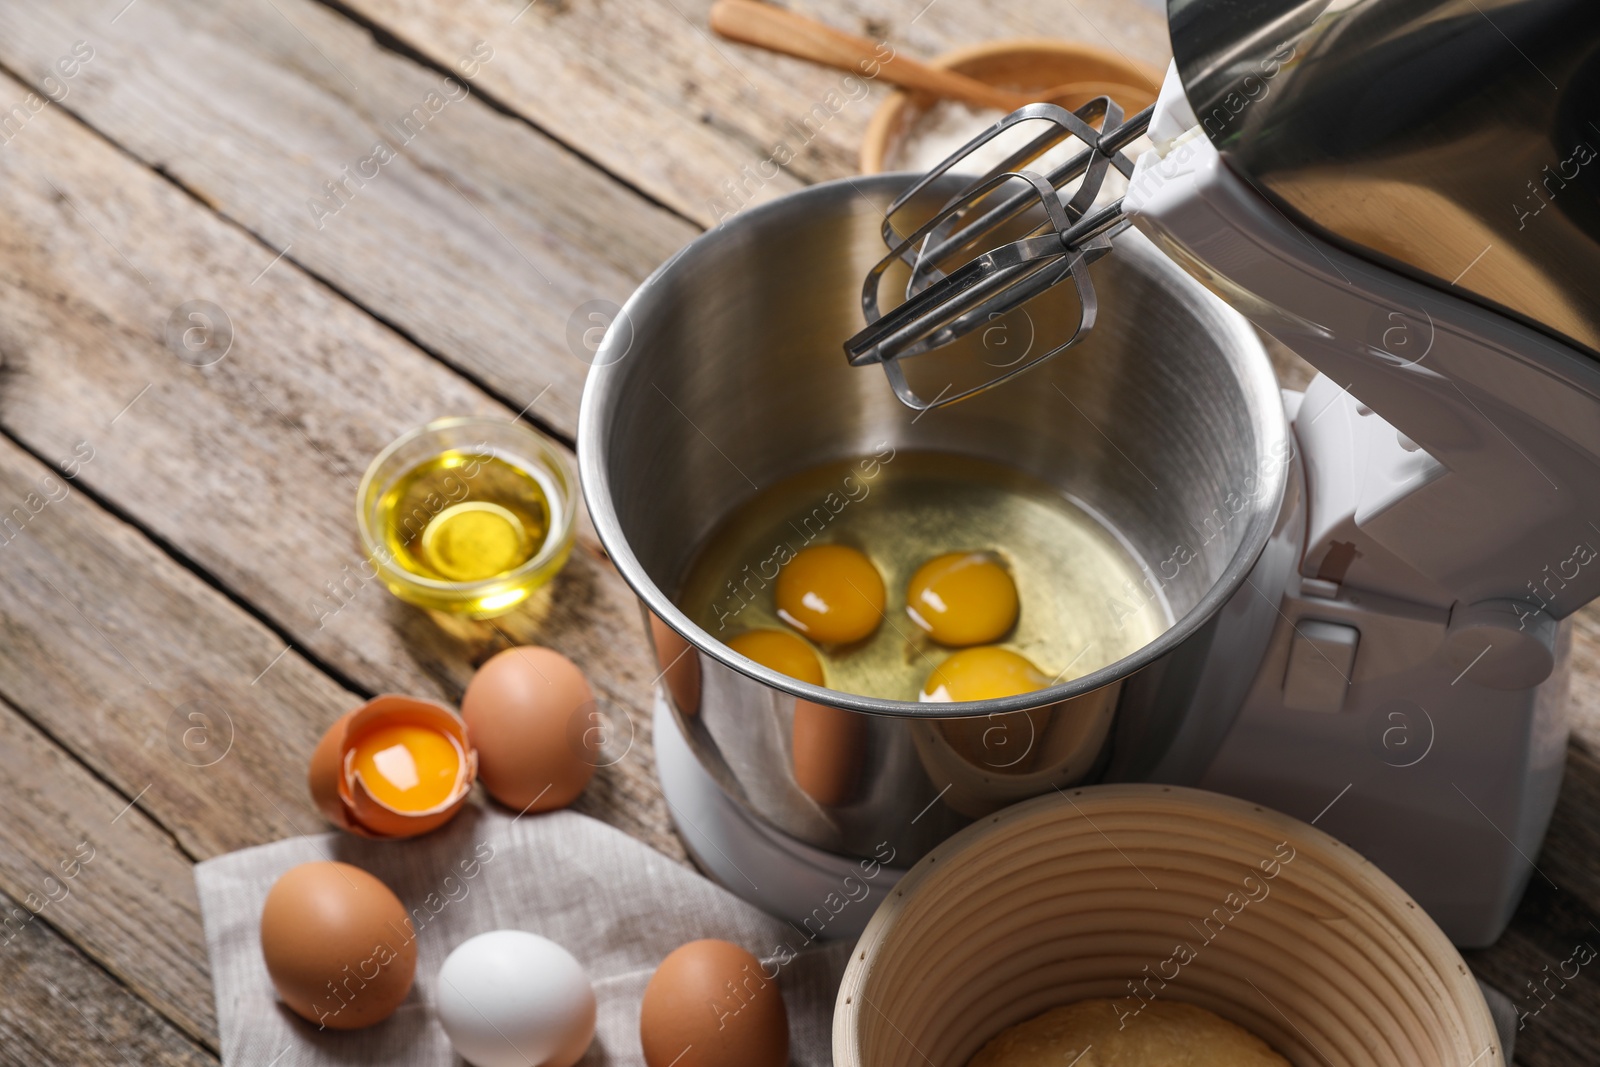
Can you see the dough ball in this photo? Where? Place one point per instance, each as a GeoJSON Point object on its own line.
{"type": "Point", "coordinates": [1166, 1033]}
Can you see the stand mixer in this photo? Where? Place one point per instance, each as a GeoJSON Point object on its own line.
{"type": "Point", "coordinates": [1404, 193]}
{"type": "Point", "coordinates": [1417, 674]}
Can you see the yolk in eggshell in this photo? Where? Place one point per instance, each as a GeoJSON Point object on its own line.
{"type": "Point", "coordinates": [407, 767]}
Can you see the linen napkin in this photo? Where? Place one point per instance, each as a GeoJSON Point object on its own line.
{"type": "Point", "coordinates": [613, 902]}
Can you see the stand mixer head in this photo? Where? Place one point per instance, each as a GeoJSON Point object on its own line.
{"type": "Point", "coordinates": [1271, 174]}
{"type": "Point", "coordinates": [1396, 128]}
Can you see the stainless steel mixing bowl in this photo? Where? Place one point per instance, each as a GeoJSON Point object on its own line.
{"type": "Point", "coordinates": [725, 373]}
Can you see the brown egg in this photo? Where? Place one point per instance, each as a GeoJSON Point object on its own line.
{"type": "Point", "coordinates": [424, 748]}
{"type": "Point", "coordinates": [711, 1004]}
{"type": "Point", "coordinates": [338, 945]}
{"type": "Point", "coordinates": [528, 711]}
{"type": "Point", "coordinates": [679, 663]}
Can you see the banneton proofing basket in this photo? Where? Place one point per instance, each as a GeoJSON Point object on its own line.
{"type": "Point", "coordinates": [1089, 893]}
{"type": "Point", "coordinates": [725, 372]}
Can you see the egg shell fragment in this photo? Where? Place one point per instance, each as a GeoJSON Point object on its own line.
{"type": "Point", "coordinates": [327, 767]}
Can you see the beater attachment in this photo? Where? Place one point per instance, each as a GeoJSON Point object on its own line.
{"type": "Point", "coordinates": [1004, 239]}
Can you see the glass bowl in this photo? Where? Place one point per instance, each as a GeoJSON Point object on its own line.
{"type": "Point", "coordinates": [460, 446]}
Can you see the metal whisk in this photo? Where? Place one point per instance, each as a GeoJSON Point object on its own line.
{"type": "Point", "coordinates": [961, 281]}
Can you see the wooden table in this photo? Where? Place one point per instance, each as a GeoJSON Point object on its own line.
{"type": "Point", "coordinates": [178, 538]}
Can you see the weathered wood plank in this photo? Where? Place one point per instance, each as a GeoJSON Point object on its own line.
{"type": "Point", "coordinates": [1584, 698]}
{"type": "Point", "coordinates": [635, 87]}
{"type": "Point", "coordinates": [58, 1007]}
{"type": "Point", "coordinates": [108, 645]}
{"type": "Point", "coordinates": [479, 237]}
{"type": "Point", "coordinates": [77, 856]}
{"type": "Point", "coordinates": [248, 466]}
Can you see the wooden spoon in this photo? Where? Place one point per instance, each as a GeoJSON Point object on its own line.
{"type": "Point", "coordinates": [778, 30]}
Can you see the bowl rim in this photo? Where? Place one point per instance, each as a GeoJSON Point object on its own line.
{"type": "Point", "coordinates": [967, 845]}
{"type": "Point", "coordinates": [595, 413]}
{"type": "Point", "coordinates": [875, 138]}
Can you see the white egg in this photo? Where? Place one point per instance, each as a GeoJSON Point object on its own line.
{"type": "Point", "coordinates": [509, 998]}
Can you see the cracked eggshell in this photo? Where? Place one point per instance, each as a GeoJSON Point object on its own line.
{"type": "Point", "coordinates": [345, 801]}
{"type": "Point", "coordinates": [327, 762]}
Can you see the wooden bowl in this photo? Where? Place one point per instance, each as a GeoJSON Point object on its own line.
{"type": "Point", "coordinates": [1022, 65]}
{"type": "Point", "coordinates": [1075, 895]}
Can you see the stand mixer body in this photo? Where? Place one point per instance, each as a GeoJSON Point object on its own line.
{"type": "Point", "coordinates": [1451, 141]}
{"type": "Point", "coordinates": [1412, 698]}
{"type": "Point", "coordinates": [1397, 191]}
{"type": "Point", "coordinates": [1391, 662]}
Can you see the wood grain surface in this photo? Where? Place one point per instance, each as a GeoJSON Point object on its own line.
{"type": "Point", "coordinates": [247, 469]}
{"type": "Point", "coordinates": [666, 87]}
{"type": "Point", "coordinates": [199, 560]}
{"type": "Point", "coordinates": [57, 1007]}
{"type": "Point", "coordinates": [477, 240]}
{"type": "Point", "coordinates": [105, 874]}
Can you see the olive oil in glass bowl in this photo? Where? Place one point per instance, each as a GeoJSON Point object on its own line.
{"type": "Point", "coordinates": [468, 516]}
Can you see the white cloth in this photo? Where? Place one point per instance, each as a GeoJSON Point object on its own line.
{"type": "Point", "coordinates": [613, 902]}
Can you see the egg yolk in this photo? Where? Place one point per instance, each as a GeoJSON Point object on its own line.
{"type": "Point", "coordinates": [782, 652]}
{"type": "Point", "coordinates": [407, 767]}
{"type": "Point", "coordinates": [983, 673]}
{"type": "Point", "coordinates": [831, 593]}
{"type": "Point", "coordinates": [963, 598]}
